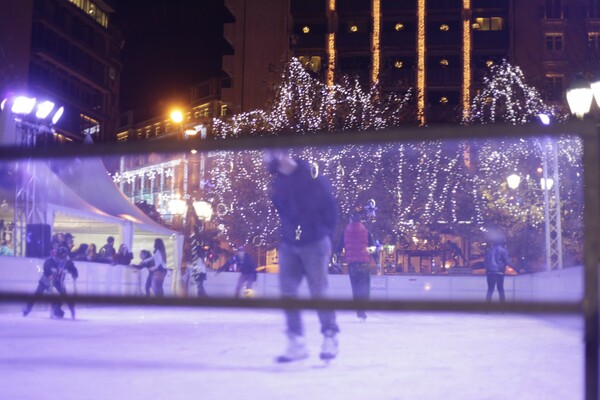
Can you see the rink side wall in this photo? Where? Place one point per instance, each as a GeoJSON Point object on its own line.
{"type": "Point", "coordinates": [22, 274]}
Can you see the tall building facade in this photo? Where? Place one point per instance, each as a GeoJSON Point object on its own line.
{"type": "Point", "coordinates": [66, 51]}
{"type": "Point", "coordinates": [440, 48]}
{"type": "Point", "coordinates": [257, 33]}
{"type": "Point", "coordinates": [556, 40]}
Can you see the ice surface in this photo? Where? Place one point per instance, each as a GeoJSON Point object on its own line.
{"type": "Point", "coordinates": [184, 353]}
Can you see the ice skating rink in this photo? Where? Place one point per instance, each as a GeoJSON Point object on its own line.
{"type": "Point", "coordinates": [183, 353]}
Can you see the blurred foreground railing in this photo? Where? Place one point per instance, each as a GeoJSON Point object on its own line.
{"type": "Point", "coordinates": [587, 307]}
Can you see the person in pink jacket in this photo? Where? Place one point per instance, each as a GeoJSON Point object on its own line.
{"type": "Point", "coordinates": [354, 243]}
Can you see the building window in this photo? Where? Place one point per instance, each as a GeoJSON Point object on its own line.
{"type": "Point", "coordinates": [594, 40]}
{"type": "Point", "coordinates": [92, 10]}
{"type": "Point", "coordinates": [554, 41]}
{"type": "Point", "coordinates": [554, 9]}
{"type": "Point", "coordinates": [594, 10]}
{"type": "Point", "coordinates": [554, 87]}
{"type": "Point", "coordinates": [311, 63]}
{"type": "Point", "coordinates": [89, 126]}
{"type": "Point", "coordinates": [223, 110]}
{"type": "Point", "coordinates": [488, 24]}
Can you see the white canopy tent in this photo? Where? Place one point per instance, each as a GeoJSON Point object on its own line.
{"type": "Point", "coordinates": [79, 196]}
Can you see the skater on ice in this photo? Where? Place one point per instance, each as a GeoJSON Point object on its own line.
{"type": "Point", "coordinates": [308, 215]}
{"type": "Point", "coordinates": [355, 242]}
{"type": "Point", "coordinates": [247, 267]}
{"type": "Point", "coordinates": [495, 261]}
{"type": "Point", "coordinates": [55, 269]}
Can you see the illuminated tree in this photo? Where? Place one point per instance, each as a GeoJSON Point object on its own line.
{"type": "Point", "coordinates": [507, 98]}
{"type": "Point", "coordinates": [450, 186]}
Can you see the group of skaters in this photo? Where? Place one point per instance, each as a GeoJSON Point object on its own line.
{"type": "Point", "coordinates": [308, 215]}
{"type": "Point", "coordinates": [61, 262]}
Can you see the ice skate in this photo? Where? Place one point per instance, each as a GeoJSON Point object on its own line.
{"type": "Point", "coordinates": [329, 349]}
{"type": "Point", "coordinates": [295, 351]}
{"type": "Point", "coordinates": [26, 311]}
{"type": "Point", "coordinates": [362, 316]}
{"type": "Point", "coordinates": [57, 314]}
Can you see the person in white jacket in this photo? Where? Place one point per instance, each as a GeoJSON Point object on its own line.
{"type": "Point", "coordinates": [157, 268]}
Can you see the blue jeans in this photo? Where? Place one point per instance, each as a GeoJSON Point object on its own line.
{"type": "Point", "coordinates": [360, 280]}
{"type": "Point", "coordinates": [310, 261]}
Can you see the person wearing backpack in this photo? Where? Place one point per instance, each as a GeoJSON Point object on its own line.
{"type": "Point", "coordinates": [496, 261]}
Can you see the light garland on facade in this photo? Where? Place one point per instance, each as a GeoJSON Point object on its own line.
{"type": "Point", "coordinates": [421, 62]}
{"type": "Point", "coordinates": [466, 87]}
{"type": "Point", "coordinates": [376, 40]}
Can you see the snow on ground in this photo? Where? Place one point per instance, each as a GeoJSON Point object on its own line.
{"type": "Point", "coordinates": [184, 353]}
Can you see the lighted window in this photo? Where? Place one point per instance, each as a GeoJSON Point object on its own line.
{"type": "Point", "coordinates": [223, 110]}
{"type": "Point", "coordinates": [594, 40]}
{"type": "Point", "coordinates": [488, 24]}
{"type": "Point", "coordinates": [399, 26]}
{"type": "Point", "coordinates": [312, 63]}
{"type": "Point", "coordinates": [444, 62]}
{"type": "Point", "coordinates": [305, 29]}
{"type": "Point", "coordinates": [444, 27]}
{"type": "Point", "coordinates": [398, 64]}
{"type": "Point", "coordinates": [496, 23]}
{"type": "Point", "coordinates": [443, 100]}
{"type": "Point", "coordinates": [554, 41]}
{"type": "Point", "coordinates": [91, 9]}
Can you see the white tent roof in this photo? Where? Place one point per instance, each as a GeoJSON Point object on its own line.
{"type": "Point", "coordinates": [93, 184]}
{"type": "Point", "coordinates": [52, 194]}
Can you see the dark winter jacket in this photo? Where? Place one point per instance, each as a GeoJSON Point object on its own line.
{"type": "Point", "coordinates": [355, 240]}
{"type": "Point", "coordinates": [306, 206]}
{"type": "Point", "coordinates": [496, 260]}
{"type": "Point", "coordinates": [246, 264]}
{"type": "Point", "coordinates": [55, 271]}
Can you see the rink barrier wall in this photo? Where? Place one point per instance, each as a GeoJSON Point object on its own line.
{"type": "Point", "coordinates": [20, 275]}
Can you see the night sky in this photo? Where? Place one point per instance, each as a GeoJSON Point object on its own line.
{"type": "Point", "coordinates": [169, 46]}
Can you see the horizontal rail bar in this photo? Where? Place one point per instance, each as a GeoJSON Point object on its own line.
{"type": "Point", "coordinates": [314, 304]}
{"type": "Point", "coordinates": [443, 132]}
